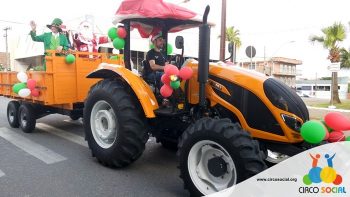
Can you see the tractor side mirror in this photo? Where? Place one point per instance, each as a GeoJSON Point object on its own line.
{"type": "Point", "coordinates": [179, 42]}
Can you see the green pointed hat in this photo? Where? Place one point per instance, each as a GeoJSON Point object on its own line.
{"type": "Point", "coordinates": [56, 23]}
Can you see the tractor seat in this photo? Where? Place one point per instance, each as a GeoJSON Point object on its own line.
{"type": "Point", "coordinates": [145, 66]}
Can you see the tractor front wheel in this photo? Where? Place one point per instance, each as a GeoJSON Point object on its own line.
{"type": "Point", "coordinates": [216, 154]}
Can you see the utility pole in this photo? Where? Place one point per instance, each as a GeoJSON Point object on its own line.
{"type": "Point", "coordinates": [223, 31]}
{"type": "Point", "coordinates": [7, 55]}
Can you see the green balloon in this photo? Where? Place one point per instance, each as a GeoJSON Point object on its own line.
{"type": "Point", "coordinates": [313, 131]}
{"type": "Point", "coordinates": [169, 48]}
{"type": "Point", "coordinates": [114, 57]}
{"type": "Point", "coordinates": [18, 86]}
{"type": "Point", "coordinates": [347, 138]}
{"type": "Point", "coordinates": [112, 33]}
{"type": "Point", "coordinates": [70, 59]}
{"type": "Point", "coordinates": [151, 46]}
{"type": "Point", "coordinates": [118, 43]}
{"type": "Point", "coordinates": [175, 84]}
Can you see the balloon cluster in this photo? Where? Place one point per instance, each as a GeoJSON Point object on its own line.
{"type": "Point", "coordinates": [171, 78]}
{"type": "Point", "coordinates": [26, 87]}
{"type": "Point", "coordinates": [117, 35]}
{"type": "Point", "coordinates": [331, 129]}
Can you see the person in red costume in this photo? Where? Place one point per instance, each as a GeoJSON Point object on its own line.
{"type": "Point", "coordinates": [86, 40]}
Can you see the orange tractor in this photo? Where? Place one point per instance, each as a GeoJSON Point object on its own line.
{"type": "Point", "coordinates": [224, 121]}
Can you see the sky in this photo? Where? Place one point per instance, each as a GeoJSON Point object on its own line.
{"type": "Point", "coordinates": [273, 27]}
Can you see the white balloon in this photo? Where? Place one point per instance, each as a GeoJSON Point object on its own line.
{"type": "Point", "coordinates": [22, 77]}
{"type": "Point", "coordinates": [24, 92]}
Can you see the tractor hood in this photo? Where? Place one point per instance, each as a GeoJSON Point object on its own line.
{"type": "Point", "coordinates": [150, 16]}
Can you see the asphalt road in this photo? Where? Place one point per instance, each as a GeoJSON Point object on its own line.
{"type": "Point", "coordinates": [54, 161]}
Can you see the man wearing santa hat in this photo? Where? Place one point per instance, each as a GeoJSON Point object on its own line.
{"type": "Point", "coordinates": [85, 40]}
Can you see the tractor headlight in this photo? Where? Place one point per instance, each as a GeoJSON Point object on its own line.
{"type": "Point", "coordinates": [291, 122]}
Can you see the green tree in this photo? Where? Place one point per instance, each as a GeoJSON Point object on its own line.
{"type": "Point", "coordinates": [232, 35]}
{"type": "Point", "coordinates": [344, 58]}
{"type": "Point", "coordinates": [330, 40]}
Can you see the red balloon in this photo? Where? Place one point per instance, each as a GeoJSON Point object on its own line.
{"type": "Point", "coordinates": [165, 79]}
{"type": "Point", "coordinates": [166, 91]}
{"type": "Point", "coordinates": [336, 136]}
{"type": "Point", "coordinates": [338, 180]}
{"type": "Point", "coordinates": [185, 73]}
{"type": "Point", "coordinates": [337, 121]}
{"type": "Point", "coordinates": [31, 83]}
{"type": "Point", "coordinates": [35, 92]}
{"type": "Point", "coordinates": [170, 69]}
{"type": "Point", "coordinates": [327, 134]}
{"type": "Point", "coordinates": [121, 32]}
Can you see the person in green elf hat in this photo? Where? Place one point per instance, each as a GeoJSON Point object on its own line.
{"type": "Point", "coordinates": [52, 40]}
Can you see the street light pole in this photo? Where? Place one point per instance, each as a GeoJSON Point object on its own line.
{"type": "Point", "coordinates": [7, 56]}
{"type": "Point", "coordinates": [223, 31]}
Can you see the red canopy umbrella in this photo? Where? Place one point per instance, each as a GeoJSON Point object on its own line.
{"type": "Point", "coordinates": [156, 9]}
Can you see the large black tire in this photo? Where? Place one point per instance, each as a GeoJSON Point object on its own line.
{"type": "Point", "coordinates": [126, 142]}
{"type": "Point", "coordinates": [12, 113]}
{"type": "Point", "coordinates": [226, 155]}
{"type": "Point", "coordinates": [26, 117]}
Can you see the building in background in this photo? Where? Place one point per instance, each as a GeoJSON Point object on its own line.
{"type": "Point", "coordinates": [322, 88]}
{"type": "Point", "coordinates": [4, 60]}
{"type": "Point", "coordinates": [281, 68]}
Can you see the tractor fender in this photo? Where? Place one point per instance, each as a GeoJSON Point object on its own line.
{"type": "Point", "coordinates": [141, 89]}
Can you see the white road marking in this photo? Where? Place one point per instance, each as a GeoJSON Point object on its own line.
{"type": "Point", "coordinates": [63, 134]}
{"type": "Point", "coordinates": [40, 152]}
{"type": "Point", "coordinates": [2, 173]}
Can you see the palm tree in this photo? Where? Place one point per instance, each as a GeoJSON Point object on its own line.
{"type": "Point", "coordinates": [232, 35]}
{"type": "Point", "coordinates": [330, 40]}
{"type": "Point", "coordinates": [344, 58]}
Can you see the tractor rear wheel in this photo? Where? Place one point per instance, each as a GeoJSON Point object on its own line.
{"type": "Point", "coordinates": [12, 113]}
{"type": "Point", "coordinates": [216, 154]}
{"type": "Point", "coordinates": [114, 123]}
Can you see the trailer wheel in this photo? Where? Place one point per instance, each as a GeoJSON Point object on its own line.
{"type": "Point", "coordinates": [74, 116]}
{"type": "Point", "coordinates": [26, 116]}
{"type": "Point", "coordinates": [215, 154]}
{"type": "Point", "coordinates": [114, 123]}
{"type": "Point", "coordinates": [12, 113]}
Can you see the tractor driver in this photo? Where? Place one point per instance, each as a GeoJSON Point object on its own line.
{"type": "Point", "coordinates": [155, 60]}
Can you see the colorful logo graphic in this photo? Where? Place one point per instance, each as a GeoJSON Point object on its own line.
{"type": "Point", "coordinates": [327, 174]}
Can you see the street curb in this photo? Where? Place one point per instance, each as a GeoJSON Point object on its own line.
{"type": "Point", "coordinates": [327, 109]}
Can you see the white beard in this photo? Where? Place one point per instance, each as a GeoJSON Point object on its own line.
{"type": "Point", "coordinates": [87, 35]}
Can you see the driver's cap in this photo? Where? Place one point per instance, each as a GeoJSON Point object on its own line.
{"type": "Point", "coordinates": [154, 37]}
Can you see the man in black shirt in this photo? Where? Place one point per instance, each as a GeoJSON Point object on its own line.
{"type": "Point", "coordinates": [155, 60]}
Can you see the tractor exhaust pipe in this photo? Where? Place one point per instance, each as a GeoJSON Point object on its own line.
{"type": "Point", "coordinates": [126, 50]}
{"type": "Point", "coordinates": [203, 57]}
